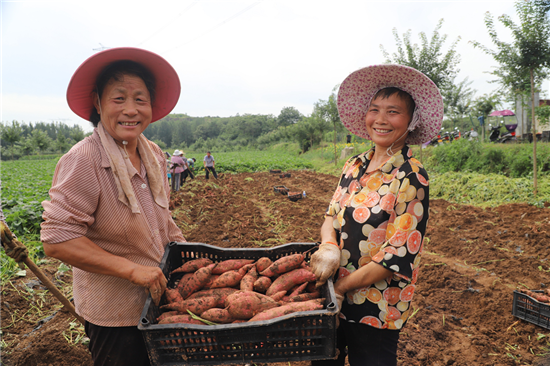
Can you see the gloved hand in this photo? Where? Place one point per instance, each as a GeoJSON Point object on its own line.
{"type": "Point", "coordinates": [325, 262]}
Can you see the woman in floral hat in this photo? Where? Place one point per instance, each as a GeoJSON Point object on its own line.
{"type": "Point", "coordinates": [108, 212]}
{"type": "Point", "coordinates": [375, 223]}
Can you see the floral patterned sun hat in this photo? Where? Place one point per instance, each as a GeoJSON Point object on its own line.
{"type": "Point", "coordinates": [358, 89]}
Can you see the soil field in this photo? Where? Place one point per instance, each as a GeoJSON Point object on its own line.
{"type": "Point", "coordinates": [473, 261]}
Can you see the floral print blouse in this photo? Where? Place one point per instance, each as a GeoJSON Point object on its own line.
{"type": "Point", "coordinates": [381, 216]}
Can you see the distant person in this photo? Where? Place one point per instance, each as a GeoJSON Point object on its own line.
{"type": "Point", "coordinates": [186, 172]}
{"type": "Point", "coordinates": [108, 214]}
{"type": "Point", "coordinates": [191, 164]}
{"type": "Point", "coordinates": [177, 168]}
{"type": "Point", "coordinates": [348, 139]}
{"type": "Point", "coordinates": [375, 224]}
{"type": "Point", "coordinates": [209, 165]}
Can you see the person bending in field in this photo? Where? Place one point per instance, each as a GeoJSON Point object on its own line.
{"type": "Point", "coordinates": [375, 223]}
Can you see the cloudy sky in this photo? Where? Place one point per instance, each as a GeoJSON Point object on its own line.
{"type": "Point", "coordinates": [232, 56]}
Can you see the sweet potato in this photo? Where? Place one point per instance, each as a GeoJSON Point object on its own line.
{"type": "Point", "coordinates": [262, 284]}
{"type": "Point", "coordinates": [247, 282]}
{"type": "Point", "coordinates": [290, 279]}
{"type": "Point", "coordinates": [289, 308]}
{"type": "Point", "coordinates": [196, 306]}
{"type": "Point", "coordinates": [263, 263]}
{"type": "Point", "coordinates": [302, 297]}
{"type": "Point", "coordinates": [245, 304]}
{"type": "Point", "coordinates": [172, 295]}
{"type": "Point", "coordinates": [297, 290]}
{"type": "Point", "coordinates": [278, 296]}
{"type": "Point", "coordinates": [192, 265]}
{"type": "Point", "coordinates": [196, 282]}
{"type": "Point", "coordinates": [227, 279]}
{"type": "Point", "coordinates": [183, 318]}
{"type": "Point", "coordinates": [283, 265]}
{"type": "Point", "coordinates": [217, 315]}
{"type": "Point", "coordinates": [221, 293]}
{"type": "Point", "coordinates": [230, 265]}
{"type": "Point", "coordinates": [183, 280]}
{"type": "Point", "coordinates": [167, 314]}
{"type": "Point", "coordinates": [210, 281]}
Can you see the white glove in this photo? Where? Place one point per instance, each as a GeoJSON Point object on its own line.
{"type": "Point", "coordinates": [325, 262]}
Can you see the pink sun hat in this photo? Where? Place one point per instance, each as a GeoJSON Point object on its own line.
{"type": "Point", "coordinates": [83, 81]}
{"type": "Point", "coordinates": [358, 89]}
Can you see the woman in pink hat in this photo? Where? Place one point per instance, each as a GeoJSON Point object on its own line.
{"type": "Point", "coordinates": [375, 223]}
{"type": "Point", "coordinates": [108, 212]}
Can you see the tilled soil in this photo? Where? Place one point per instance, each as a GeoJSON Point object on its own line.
{"type": "Point", "coordinates": [473, 261]}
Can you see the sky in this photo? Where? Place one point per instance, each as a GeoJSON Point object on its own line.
{"type": "Point", "coordinates": [232, 56]}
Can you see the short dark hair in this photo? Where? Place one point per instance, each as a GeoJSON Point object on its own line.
{"type": "Point", "coordinates": [403, 95]}
{"type": "Point", "coordinates": [115, 71]}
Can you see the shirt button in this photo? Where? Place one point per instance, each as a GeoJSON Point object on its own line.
{"type": "Point", "coordinates": [144, 186]}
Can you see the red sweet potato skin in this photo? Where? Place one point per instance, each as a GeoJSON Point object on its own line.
{"type": "Point", "coordinates": [196, 306]}
{"type": "Point", "coordinates": [302, 297]}
{"type": "Point", "coordinates": [220, 293]}
{"type": "Point", "coordinates": [193, 265]}
{"type": "Point", "coordinates": [167, 314]}
{"type": "Point", "coordinates": [263, 263]}
{"type": "Point", "coordinates": [289, 308]}
{"type": "Point", "coordinates": [247, 282]}
{"type": "Point", "coordinates": [183, 281]}
{"type": "Point", "coordinates": [196, 282]}
{"type": "Point", "coordinates": [283, 265]}
{"type": "Point", "coordinates": [298, 289]}
{"type": "Point", "coordinates": [245, 304]}
{"type": "Point", "coordinates": [183, 318]}
{"type": "Point", "coordinates": [290, 279]}
{"type": "Point", "coordinates": [278, 296]}
{"type": "Point", "coordinates": [227, 279]}
{"type": "Point", "coordinates": [262, 284]}
{"type": "Point", "coordinates": [172, 295]}
{"type": "Point", "coordinates": [230, 265]}
{"type": "Point", "coordinates": [217, 315]}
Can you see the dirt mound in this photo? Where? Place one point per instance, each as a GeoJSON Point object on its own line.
{"type": "Point", "coordinates": [474, 258]}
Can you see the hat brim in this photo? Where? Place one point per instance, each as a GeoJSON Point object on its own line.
{"type": "Point", "coordinates": [83, 81]}
{"type": "Point", "coordinates": [356, 92]}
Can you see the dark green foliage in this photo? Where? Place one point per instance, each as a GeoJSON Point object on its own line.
{"type": "Point", "coordinates": [512, 160]}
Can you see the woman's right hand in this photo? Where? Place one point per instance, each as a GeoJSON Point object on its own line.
{"type": "Point", "coordinates": [151, 278]}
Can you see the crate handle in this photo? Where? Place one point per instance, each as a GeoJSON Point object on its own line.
{"type": "Point", "coordinates": [144, 322]}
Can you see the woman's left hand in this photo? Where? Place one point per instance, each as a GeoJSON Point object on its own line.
{"type": "Point", "coordinates": [151, 278]}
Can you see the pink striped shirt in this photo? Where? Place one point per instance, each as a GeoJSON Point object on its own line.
{"type": "Point", "coordinates": [84, 202]}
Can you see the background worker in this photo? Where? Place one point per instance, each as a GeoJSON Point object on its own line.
{"type": "Point", "coordinates": [178, 166]}
{"type": "Point", "coordinates": [186, 172]}
{"type": "Point", "coordinates": [113, 225]}
{"type": "Point", "coordinates": [209, 165]}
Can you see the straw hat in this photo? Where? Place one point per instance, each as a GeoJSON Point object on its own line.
{"type": "Point", "coordinates": [83, 81]}
{"type": "Point", "coordinates": [358, 89]}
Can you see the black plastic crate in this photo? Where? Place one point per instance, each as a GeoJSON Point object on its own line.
{"type": "Point", "coordinates": [531, 310]}
{"type": "Point", "coordinates": [307, 335]}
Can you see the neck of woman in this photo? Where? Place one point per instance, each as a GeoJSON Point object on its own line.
{"type": "Point", "coordinates": [382, 154]}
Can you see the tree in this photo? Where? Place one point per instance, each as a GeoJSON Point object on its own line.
{"type": "Point", "coordinates": [427, 58]}
{"type": "Point", "coordinates": [458, 98]}
{"type": "Point", "coordinates": [288, 116]}
{"type": "Point", "coordinates": [328, 111]}
{"type": "Point", "coordinates": [40, 140]}
{"type": "Point", "coordinates": [529, 54]}
{"type": "Point", "coordinates": [12, 134]}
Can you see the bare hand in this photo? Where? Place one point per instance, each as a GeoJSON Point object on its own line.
{"type": "Point", "coordinates": [151, 278]}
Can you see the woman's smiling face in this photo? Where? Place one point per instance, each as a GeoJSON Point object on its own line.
{"type": "Point", "coordinates": [125, 108]}
{"type": "Point", "coordinates": [387, 121]}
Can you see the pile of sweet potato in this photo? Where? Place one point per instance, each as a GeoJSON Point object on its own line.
{"type": "Point", "coordinates": [240, 290]}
